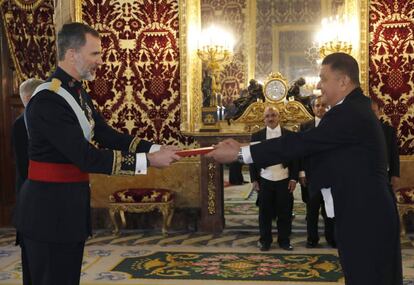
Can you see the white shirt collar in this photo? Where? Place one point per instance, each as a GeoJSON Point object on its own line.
{"type": "Point", "coordinates": [273, 133]}
{"type": "Point", "coordinates": [275, 130]}
{"type": "Point", "coordinates": [340, 102]}
{"type": "Point", "coordinates": [317, 121]}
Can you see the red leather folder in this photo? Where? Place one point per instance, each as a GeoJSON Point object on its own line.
{"type": "Point", "coordinates": [195, 151]}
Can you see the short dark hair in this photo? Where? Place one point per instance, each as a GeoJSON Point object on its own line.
{"type": "Point", "coordinates": [73, 35]}
{"type": "Point", "coordinates": [344, 63]}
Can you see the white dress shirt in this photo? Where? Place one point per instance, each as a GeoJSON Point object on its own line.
{"type": "Point", "coordinates": [275, 172]}
{"type": "Point", "coordinates": [141, 160]}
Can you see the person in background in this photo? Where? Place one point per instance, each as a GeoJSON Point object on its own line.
{"type": "Point", "coordinates": [275, 185]}
{"type": "Point", "coordinates": [19, 133]}
{"type": "Point", "coordinates": [392, 148]}
{"type": "Point", "coordinates": [20, 146]}
{"type": "Point", "coordinates": [314, 203]}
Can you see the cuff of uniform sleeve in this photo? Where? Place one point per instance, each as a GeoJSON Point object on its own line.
{"type": "Point", "coordinates": [302, 174]}
{"type": "Point", "coordinates": [154, 148]}
{"type": "Point", "coordinates": [141, 164]}
{"type": "Point", "coordinates": [247, 157]}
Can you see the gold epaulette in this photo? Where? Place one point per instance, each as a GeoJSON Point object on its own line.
{"type": "Point", "coordinates": [55, 85]}
{"type": "Point", "coordinates": [134, 144]}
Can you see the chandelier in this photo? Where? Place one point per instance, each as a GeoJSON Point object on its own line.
{"type": "Point", "coordinates": [336, 35]}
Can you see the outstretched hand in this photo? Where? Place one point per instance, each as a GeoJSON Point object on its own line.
{"type": "Point", "coordinates": [170, 147]}
{"type": "Point", "coordinates": [163, 158]}
{"type": "Point", "coordinates": [225, 151]}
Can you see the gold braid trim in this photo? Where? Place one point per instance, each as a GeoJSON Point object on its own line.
{"type": "Point", "coordinates": [134, 144]}
{"type": "Point", "coordinates": [116, 164]}
{"type": "Point", "coordinates": [123, 164]}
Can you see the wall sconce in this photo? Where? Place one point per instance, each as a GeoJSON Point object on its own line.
{"type": "Point", "coordinates": [335, 35]}
{"type": "Point", "coordinates": [215, 49]}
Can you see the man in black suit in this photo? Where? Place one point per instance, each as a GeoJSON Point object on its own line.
{"type": "Point", "coordinates": [314, 203]}
{"type": "Point", "coordinates": [275, 185]}
{"type": "Point", "coordinates": [19, 133]}
{"type": "Point", "coordinates": [348, 164]}
{"type": "Point", "coordinates": [20, 146]}
{"type": "Point", "coordinates": [392, 148]}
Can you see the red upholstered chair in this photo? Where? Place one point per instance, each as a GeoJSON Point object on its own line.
{"type": "Point", "coordinates": [405, 203]}
{"type": "Point", "coordinates": [140, 200]}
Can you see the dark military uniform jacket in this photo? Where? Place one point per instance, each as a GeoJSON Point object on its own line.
{"type": "Point", "coordinates": [60, 212]}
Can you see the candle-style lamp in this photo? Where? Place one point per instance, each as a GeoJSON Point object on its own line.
{"type": "Point", "coordinates": [215, 49]}
{"type": "Point", "coordinates": [336, 35]}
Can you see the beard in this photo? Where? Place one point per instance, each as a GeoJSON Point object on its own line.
{"type": "Point", "coordinates": [85, 73]}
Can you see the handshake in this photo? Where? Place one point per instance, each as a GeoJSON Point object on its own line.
{"type": "Point", "coordinates": [224, 152]}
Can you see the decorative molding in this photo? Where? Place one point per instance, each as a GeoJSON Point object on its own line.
{"type": "Point", "coordinates": [211, 188]}
{"type": "Point", "coordinates": [78, 11]}
{"type": "Point", "coordinates": [364, 45]}
{"type": "Point", "coordinates": [190, 73]}
{"type": "Point", "coordinates": [251, 40]}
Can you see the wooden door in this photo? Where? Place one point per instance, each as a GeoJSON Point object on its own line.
{"type": "Point", "coordinates": [10, 108]}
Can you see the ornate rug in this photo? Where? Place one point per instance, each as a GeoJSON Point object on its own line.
{"type": "Point", "coordinates": [129, 265]}
{"type": "Point", "coordinates": [232, 266]}
{"type": "Point", "coordinates": [237, 192]}
{"type": "Point", "coordinates": [250, 208]}
{"type": "Point", "coordinates": [229, 258]}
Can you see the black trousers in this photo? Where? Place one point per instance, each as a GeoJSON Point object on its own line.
{"type": "Point", "coordinates": [275, 200]}
{"type": "Point", "coordinates": [235, 173]}
{"type": "Point", "coordinates": [46, 263]}
{"type": "Point", "coordinates": [314, 204]}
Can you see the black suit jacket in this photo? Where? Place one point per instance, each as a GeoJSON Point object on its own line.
{"type": "Point", "coordinates": [392, 150]}
{"type": "Point", "coordinates": [304, 162]}
{"type": "Point", "coordinates": [20, 147]}
{"type": "Point", "coordinates": [303, 128]}
{"type": "Point", "coordinates": [348, 153]}
{"type": "Point", "coordinates": [254, 168]}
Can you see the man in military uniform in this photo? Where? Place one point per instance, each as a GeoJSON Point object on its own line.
{"type": "Point", "coordinates": [53, 208]}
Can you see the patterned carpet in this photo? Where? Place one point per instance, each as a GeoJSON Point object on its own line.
{"type": "Point", "coordinates": [233, 266]}
{"type": "Point", "coordinates": [184, 258]}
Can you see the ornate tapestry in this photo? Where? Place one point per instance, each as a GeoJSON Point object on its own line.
{"type": "Point", "coordinates": [391, 72]}
{"type": "Point", "coordinates": [230, 14]}
{"type": "Point", "coordinates": [31, 36]}
{"type": "Point", "coordinates": [137, 87]}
